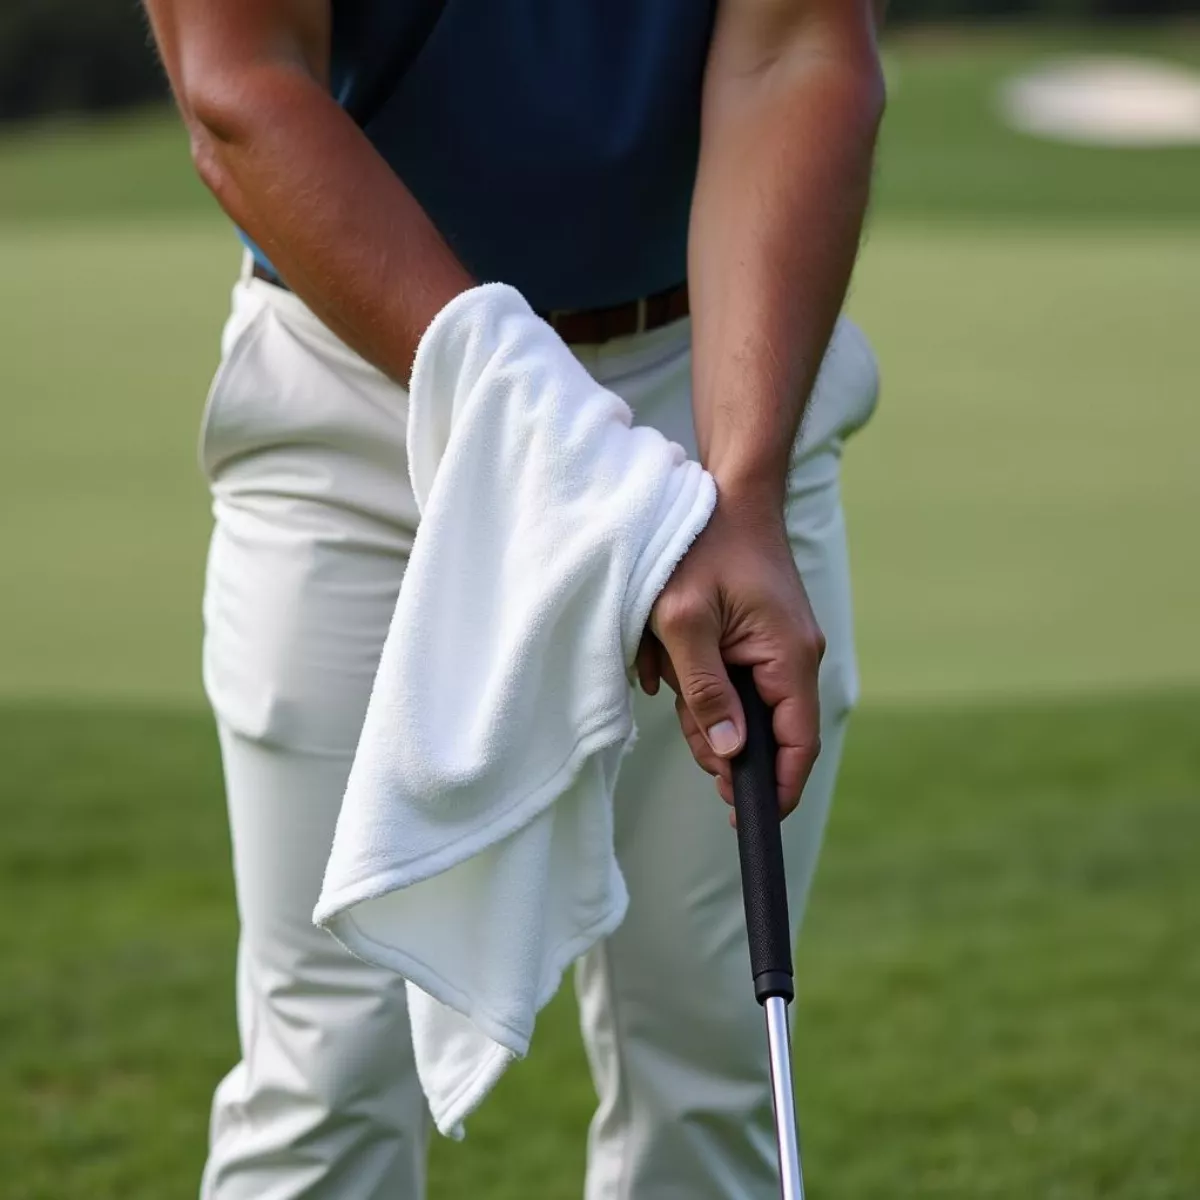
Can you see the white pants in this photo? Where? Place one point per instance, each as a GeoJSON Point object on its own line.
{"type": "Point", "coordinates": [303, 444]}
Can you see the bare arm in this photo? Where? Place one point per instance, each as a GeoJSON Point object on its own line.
{"type": "Point", "coordinates": [293, 170]}
{"type": "Point", "coordinates": [793, 95]}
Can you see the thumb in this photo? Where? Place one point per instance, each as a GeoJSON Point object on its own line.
{"type": "Point", "coordinates": [703, 685]}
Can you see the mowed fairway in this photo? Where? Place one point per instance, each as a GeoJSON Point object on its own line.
{"type": "Point", "coordinates": [999, 973]}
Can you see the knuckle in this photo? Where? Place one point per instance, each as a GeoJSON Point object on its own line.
{"type": "Point", "coordinates": [705, 691]}
{"type": "Point", "coordinates": [681, 613]}
{"type": "Point", "coordinates": [811, 645]}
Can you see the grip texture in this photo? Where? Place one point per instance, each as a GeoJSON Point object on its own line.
{"type": "Point", "coordinates": [760, 847]}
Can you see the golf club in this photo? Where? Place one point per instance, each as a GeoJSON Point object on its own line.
{"type": "Point", "coordinates": [764, 890]}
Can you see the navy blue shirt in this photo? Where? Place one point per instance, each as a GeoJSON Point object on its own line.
{"type": "Point", "coordinates": [553, 142]}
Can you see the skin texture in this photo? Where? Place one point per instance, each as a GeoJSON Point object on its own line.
{"type": "Point", "coordinates": [792, 98]}
{"type": "Point", "coordinates": [293, 170]}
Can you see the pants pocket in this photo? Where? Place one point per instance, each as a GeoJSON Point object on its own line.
{"type": "Point", "coordinates": [845, 393]}
{"type": "Point", "coordinates": [242, 329]}
{"type": "Point", "coordinates": [816, 527]}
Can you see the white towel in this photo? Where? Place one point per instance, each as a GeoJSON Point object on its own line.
{"type": "Point", "coordinates": [474, 853]}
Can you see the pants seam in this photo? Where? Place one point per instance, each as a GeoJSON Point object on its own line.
{"type": "Point", "coordinates": [624, 1103]}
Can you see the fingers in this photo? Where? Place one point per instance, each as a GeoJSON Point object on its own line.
{"type": "Point", "coordinates": [740, 591]}
{"type": "Point", "coordinates": [690, 632]}
{"type": "Point", "coordinates": [702, 752]}
{"type": "Point", "coordinates": [796, 719]}
{"type": "Point", "coordinates": [725, 789]}
{"type": "Point", "coordinates": [789, 683]}
{"type": "Point", "coordinates": [697, 743]}
{"type": "Point", "coordinates": [649, 670]}
{"type": "Point", "coordinates": [668, 673]}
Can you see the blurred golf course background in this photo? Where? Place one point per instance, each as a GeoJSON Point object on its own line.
{"type": "Point", "coordinates": [1000, 973]}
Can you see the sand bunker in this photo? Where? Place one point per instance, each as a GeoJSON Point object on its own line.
{"type": "Point", "coordinates": [1106, 102]}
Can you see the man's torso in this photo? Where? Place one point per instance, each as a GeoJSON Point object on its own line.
{"type": "Point", "coordinates": [553, 144]}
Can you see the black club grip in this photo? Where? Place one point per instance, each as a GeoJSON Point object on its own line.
{"type": "Point", "coordinates": [760, 847]}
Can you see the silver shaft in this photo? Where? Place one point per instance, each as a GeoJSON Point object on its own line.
{"type": "Point", "coordinates": [791, 1181]}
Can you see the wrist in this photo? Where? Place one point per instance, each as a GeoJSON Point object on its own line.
{"type": "Point", "coordinates": [751, 491]}
{"type": "Point", "coordinates": [755, 503]}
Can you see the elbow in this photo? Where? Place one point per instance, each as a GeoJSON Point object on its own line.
{"type": "Point", "coordinates": [237, 114]}
{"type": "Point", "coordinates": [206, 159]}
{"type": "Point", "coordinates": [862, 83]}
{"type": "Point", "coordinates": [218, 120]}
{"type": "Point", "coordinates": [862, 96]}
{"type": "Point", "coordinates": [846, 82]}
{"type": "Point", "coordinates": [849, 58]}
{"type": "Point", "coordinates": [217, 108]}
{"type": "Point", "coordinates": [874, 104]}
{"type": "Point", "coordinates": [875, 96]}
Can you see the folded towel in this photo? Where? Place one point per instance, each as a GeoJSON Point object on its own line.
{"type": "Point", "coordinates": [474, 851]}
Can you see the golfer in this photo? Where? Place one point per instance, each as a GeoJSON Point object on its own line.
{"type": "Point", "coordinates": [678, 186]}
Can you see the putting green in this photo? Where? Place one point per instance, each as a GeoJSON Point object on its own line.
{"type": "Point", "coordinates": [109, 337]}
{"type": "Point", "coordinates": [1021, 509]}
{"type": "Point", "coordinates": [998, 975]}
{"type": "Point", "coordinates": [997, 982]}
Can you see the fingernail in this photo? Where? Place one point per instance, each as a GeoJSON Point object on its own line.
{"type": "Point", "coordinates": [723, 738]}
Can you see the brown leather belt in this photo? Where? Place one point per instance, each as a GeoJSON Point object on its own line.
{"type": "Point", "coordinates": [592, 325]}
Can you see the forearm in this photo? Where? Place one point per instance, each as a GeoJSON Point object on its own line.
{"type": "Point", "coordinates": [292, 169]}
{"type": "Point", "coordinates": [785, 166]}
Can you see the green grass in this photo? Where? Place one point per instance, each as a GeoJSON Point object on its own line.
{"type": "Point", "coordinates": [125, 168]}
{"type": "Point", "coordinates": [1022, 508]}
{"type": "Point", "coordinates": [946, 155]}
{"type": "Point", "coordinates": [109, 338]}
{"type": "Point", "coordinates": [998, 979]}
{"type": "Point", "coordinates": [999, 975]}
